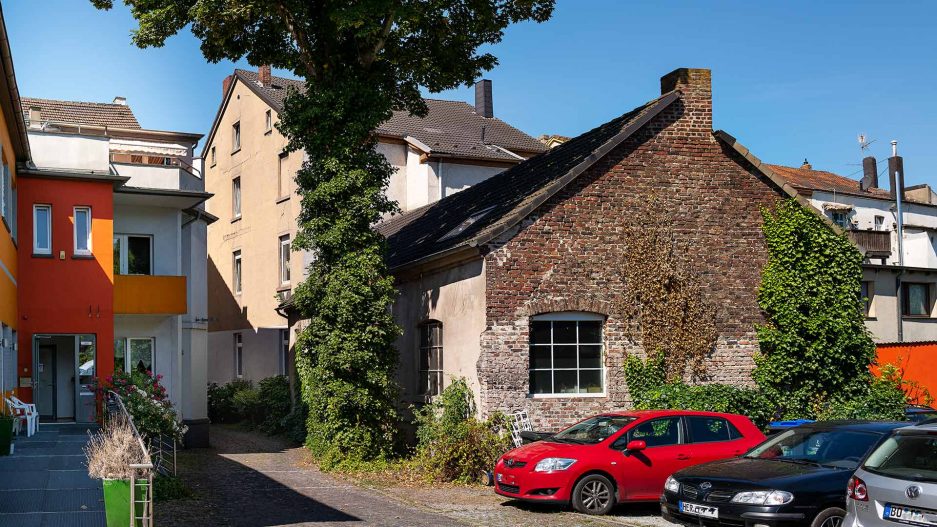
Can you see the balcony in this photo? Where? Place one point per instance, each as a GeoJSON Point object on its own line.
{"type": "Point", "coordinates": [877, 244]}
{"type": "Point", "coordinates": [149, 295]}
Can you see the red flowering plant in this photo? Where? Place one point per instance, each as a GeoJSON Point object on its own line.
{"type": "Point", "coordinates": [147, 402]}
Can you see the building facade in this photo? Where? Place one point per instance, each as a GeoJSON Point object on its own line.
{"type": "Point", "coordinates": [252, 269]}
{"type": "Point", "coordinates": [524, 284]}
{"type": "Point", "coordinates": [113, 261]}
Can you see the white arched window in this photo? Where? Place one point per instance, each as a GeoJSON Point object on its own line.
{"type": "Point", "coordinates": [566, 354]}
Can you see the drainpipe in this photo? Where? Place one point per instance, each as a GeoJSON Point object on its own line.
{"type": "Point", "coordinates": [896, 168]}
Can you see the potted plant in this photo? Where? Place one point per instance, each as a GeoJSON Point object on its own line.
{"type": "Point", "coordinates": [109, 454]}
{"type": "Point", "coordinates": [7, 420]}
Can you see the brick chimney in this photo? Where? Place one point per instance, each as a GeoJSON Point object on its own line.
{"type": "Point", "coordinates": [806, 165]}
{"type": "Point", "coordinates": [869, 173]}
{"type": "Point", "coordinates": [263, 75]}
{"type": "Point", "coordinates": [483, 102]}
{"type": "Point", "coordinates": [696, 86]}
{"type": "Point", "coordinates": [225, 84]}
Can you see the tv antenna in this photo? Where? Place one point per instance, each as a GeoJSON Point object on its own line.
{"type": "Point", "coordinates": [864, 142]}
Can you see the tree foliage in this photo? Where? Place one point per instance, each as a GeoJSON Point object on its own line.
{"type": "Point", "coordinates": [361, 60]}
{"type": "Point", "coordinates": [814, 347]}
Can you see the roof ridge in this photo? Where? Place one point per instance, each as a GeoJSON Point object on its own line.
{"type": "Point", "coordinates": [75, 102]}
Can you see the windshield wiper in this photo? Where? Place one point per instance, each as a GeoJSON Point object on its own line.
{"type": "Point", "coordinates": [799, 461]}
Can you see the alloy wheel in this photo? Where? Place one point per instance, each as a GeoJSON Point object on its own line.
{"type": "Point", "coordinates": [596, 495]}
{"type": "Point", "coordinates": [832, 521]}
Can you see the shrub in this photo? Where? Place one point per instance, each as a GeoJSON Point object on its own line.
{"type": "Point", "coordinates": [111, 450]}
{"type": "Point", "coordinates": [146, 401]}
{"type": "Point", "coordinates": [221, 407]}
{"type": "Point", "coordinates": [275, 394]}
{"type": "Point", "coordinates": [453, 445]}
{"type": "Point", "coordinates": [884, 400]}
{"type": "Point", "coordinates": [166, 488]}
{"type": "Point", "coordinates": [294, 424]}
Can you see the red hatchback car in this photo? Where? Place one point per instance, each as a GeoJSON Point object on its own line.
{"type": "Point", "coordinates": [620, 456]}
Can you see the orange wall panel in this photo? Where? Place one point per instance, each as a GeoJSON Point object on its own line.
{"type": "Point", "coordinates": [917, 361]}
{"type": "Point", "coordinates": [149, 295]}
{"type": "Point", "coordinates": [66, 294]}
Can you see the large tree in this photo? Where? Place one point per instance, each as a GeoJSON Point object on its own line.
{"type": "Point", "coordinates": [361, 60]}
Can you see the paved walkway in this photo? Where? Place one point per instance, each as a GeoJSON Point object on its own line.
{"type": "Point", "coordinates": [45, 482]}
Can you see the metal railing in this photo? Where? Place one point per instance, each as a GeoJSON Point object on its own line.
{"type": "Point", "coordinates": [163, 455]}
{"type": "Point", "coordinates": [141, 479]}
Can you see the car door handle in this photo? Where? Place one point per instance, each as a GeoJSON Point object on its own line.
{"type": "Point", "coordinates": [683, 457]}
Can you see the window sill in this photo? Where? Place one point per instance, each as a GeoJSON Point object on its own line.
{"type": "Point", "coordinates": [566, 395]}
{"type": "Point", "coordinates": [43, 255]}
{"type": "Point", "coordinates": [917, 317]}
{"type": "Point", "coordinates": [282, 199]}
{"type": "Point", "coordinates": [284, 288]}
{"type": "Point", "coordinates": [82, 257]}
{"type": "Point", "coordinates": [235, 219]}
{"type": "Point", "coordinates": [235, 151]}
{"type": "Point", "coordinates": [268, 132]}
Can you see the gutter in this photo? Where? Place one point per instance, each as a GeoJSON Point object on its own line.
{"type": "Point", "coordinates": [17, 117]}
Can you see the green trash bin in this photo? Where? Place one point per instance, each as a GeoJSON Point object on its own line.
{"type": "Point", "coordinates": [117, 501]}
{"type": "Point", "coordinates": [6, 434]}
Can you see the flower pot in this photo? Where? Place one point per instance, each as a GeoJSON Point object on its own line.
{"type": "Point", "coordinates": [6, 435]}
{"type": "Point", "coordinates": [117, 502]}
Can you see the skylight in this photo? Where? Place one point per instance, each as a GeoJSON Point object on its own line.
{"type": "Point", "coordinates": [468, 222]}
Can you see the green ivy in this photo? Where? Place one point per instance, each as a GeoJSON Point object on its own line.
{"type": "Point", "coordinates": [814, 347]}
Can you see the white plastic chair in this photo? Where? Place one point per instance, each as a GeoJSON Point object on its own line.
{"type": "Point", "coordinates": [32, 416]}
{"type": "Point", "coordinates": [19, 416]}
{"type": "Point", "coordinates": [520, 422]}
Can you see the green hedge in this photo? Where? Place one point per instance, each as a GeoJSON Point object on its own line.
{"type": "Point", "coordinates": [266, 407]}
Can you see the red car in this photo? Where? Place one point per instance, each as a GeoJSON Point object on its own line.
{"type": "Point", "coordinates": [620, 456]}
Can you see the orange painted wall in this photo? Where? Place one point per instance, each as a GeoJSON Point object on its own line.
{"type": "Point", "coordinates": [69, 295]}
{"type": "Point", "coordinates": [917, 361]}
{"type": "Point", "coordinates": [8, 257]}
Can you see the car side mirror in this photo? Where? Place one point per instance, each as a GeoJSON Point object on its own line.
{"type": "Point", "coordinates": [635, 445]}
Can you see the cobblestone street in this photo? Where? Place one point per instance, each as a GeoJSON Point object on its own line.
{"type": "Point", "coordinates": [248, 479]}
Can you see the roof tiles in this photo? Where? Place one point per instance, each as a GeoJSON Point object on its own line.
{"type": "Point", "coordinates": [82, 113]}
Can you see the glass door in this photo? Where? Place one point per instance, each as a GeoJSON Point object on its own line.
{"type": "Point", "coordinates": [85, 356]}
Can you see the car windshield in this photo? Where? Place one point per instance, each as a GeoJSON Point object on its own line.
{"type": "Point", "coordinates": [906, 456]}
{"type": "Point", "coordinates": [831, 448]}
{"type": "Point", "coordinates": [593, 430]}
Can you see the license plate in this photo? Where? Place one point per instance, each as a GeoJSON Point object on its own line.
{"type": "Point", "coordinates": [699, 510]}
{"type": "Point", "coordinates": [909, 515]}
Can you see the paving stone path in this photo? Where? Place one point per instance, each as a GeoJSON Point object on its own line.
{"type": "Point", "coordinates": [45, 482]}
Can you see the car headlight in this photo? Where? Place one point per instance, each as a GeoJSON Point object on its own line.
{"type": "Point", "coordinates": [764, 497]}
{"type": "Point", "coordinates": [553, 463]}
{"type": "Point", "coordinates": [672, 485]}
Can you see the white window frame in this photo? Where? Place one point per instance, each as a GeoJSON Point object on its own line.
{"type": "Point", "coordinates": [236, 197]}
{"type": "Point", "coordinates": [36, 248]}
{"type": "Point", "coordinates": [75, 237]}
{"type": "Point", "coordinates": [124, 259]}
{"type": "Point", "coordinates": [128, 367]}
{"type": "Point", "coordinates": [239, 355]}
{"type": "Point", "coordinates": [284, 259]}
{"type": "Point", "coordinates": [879, 222]}
{"type": "Point", "coordinates": [283, 187]}
{"type": "Point", "coordinates": [868, 302]}
{"type": "Point", "coordinates": [284, 352]}
{"type": "Point", "coordinates": [268, 121]}
{"type": "Point", "coordinates": [429, 372]}
{"type": "Point", "coordinates": [237, 272]}
{"type": "Point", "coordinates": [574, 316]}
{"type": "Point", "coordinates": [235, 137]}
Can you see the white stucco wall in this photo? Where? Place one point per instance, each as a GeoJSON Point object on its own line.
{"type": "Point", "coordinates": [156, 176]}
{"type": "Point", "coordinates": [70, 151]}
{"type": "Point", "coordinates": [163, 224]}
{"type": "Point", "coordinates": [166, 360]}
{"type": "Point", "coordinates": [456, 176]}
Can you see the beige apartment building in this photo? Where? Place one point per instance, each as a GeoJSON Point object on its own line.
{"type": "Point", "coordinates": [251, 269]}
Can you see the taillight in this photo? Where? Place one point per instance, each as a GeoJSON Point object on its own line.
{"type": "Point", "coordinates": [857, 490]}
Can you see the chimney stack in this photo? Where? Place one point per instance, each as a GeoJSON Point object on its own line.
{"type": "Point", "coordinates": [263, 75]}
{"type": "Point", "coordinates": [120, 100]}
{"type": "Point", "coordinates": [35, 117]}
{"type": "Point", "coordinates": [806, 165]}
{"type": "Point", "coordinates": [483, 103]}
{"type": "Point", "coordinates": [896, 172]}
{"type": "Point", "coordinates": [695, 85]}
{"type": "Point", "coordinates": [225, 84]}
{"type": "Point", "coordinates": [869, 173]}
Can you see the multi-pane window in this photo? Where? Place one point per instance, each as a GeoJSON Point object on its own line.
{"type": "Point", "coordinates": [431, 358]}
{"type": "Point", "coordinates": [916, 299]}
{"type": "Point", "coordinates": [238, 355]}
{"type": "Point", "coordinates": [6, 196]}
{"type": "Point", "coordinates": [284, 352]}
{"type": "Point", "coordinates": [867, 295]}
{"type": "Point", "coordinates": [236, 279]}
{"type": "Point", "coordinates": [285, 259]}
{"type": "Point", "coordinates": [134, 354]}
{"type": "Point", "coordinates": [268, 121]}
{"type": "Point", "coordinates": [283, 184]}
{"type": "Point", "coordinates": [840, 218]}
{"type": "Point", "coordinates": [236, 137]}
{"type": "Point", "coordinates": [133, 254]}
{"type": "Point", "coordinates": [236, 197]}
{"type": "Point", "coordinates": [82, 218]}
{"type": "Point", "coordinates": [566, 354]}
{"type": "Point", "coordinates": [880, 223]}
{"type": "Point", "coordinates": [42, 229]}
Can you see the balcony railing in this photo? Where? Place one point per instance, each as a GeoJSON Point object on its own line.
{"type": "Point", "coordinates": [149, 295]}
{"type": "Point", "coordinates": [877, 244]}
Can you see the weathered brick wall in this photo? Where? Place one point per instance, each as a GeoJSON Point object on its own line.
{"type": "Point", "coordinates": [672, 175]}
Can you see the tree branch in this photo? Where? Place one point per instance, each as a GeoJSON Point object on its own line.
{"type": "Point", "coordinates": [371, 55]}
{"type": "Point", "coordinates": [302, 42]}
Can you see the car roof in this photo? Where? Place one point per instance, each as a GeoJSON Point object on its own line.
{"type": "Point", "coordinates": [665, 413]}
{"type": "Point", "coordinates": [856, 426]}
{"type": "Point", "coordinates": [929, 426]}
{"type": "Point", "coordinates": [920, 410]}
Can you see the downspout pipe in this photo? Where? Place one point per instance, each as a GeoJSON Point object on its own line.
{"type": "Point", "coordinates": [896, 172]}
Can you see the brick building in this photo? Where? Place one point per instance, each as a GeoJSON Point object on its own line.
{"type": "Point", "coordinates": [520, 283]}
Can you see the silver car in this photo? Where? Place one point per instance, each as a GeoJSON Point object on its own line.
{"type": "Point", "coordinates": [898, 481]}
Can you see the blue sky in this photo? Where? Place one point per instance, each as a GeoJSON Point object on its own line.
{"type": "Point", "coordinates": [791, 80]}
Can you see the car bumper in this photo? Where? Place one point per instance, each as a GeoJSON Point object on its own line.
{"type": "Point", "coordinates": [527, 485]}
{"type": "Point", "coordinates": [729, 515]}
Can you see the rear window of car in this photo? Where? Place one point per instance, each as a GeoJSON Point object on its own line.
{"type": "Point", "coordinates": [906, 456]}
{"type": "Point", "coordinates": [711, 429]}
{"type": "Point", "coordinates": [835, 448]}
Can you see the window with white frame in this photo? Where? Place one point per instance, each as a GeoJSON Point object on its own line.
{"type": "Point", "coordinates": [235, 137]}
{"type": "Point", "coordinates": [6, 196]}
{"type": "Point", "coordinates": [566, 354]}
{"type": "Point", "coordinates": [285, 259]}
{"type": "Point", "coordinates": [238, 355]}
{"type": "Point", "coordinates": [431, 379]}
{"type": "Point", "coordinates": [42, 229]}
{"type": "Point", "coordinates": [236, 197]}
{"type": "Point", "coordinates": [867, 294]}
{"type": "Point", "coordinates": [880, 223]}
{"type": "Point", "coordinates": [284, 354]}
{"type": "Point", "coordinates": [134, 354]}
{"type": "Point", "coordinates": [268, 121]}
{"type": "Point", "coordinates": [283, 184]}
{"type": "Point", "coordinates": [236, 279]}
{"type": "Point", "coordinates": [133, 254]}
{"type": "Point", "coordinates": [82, 238]}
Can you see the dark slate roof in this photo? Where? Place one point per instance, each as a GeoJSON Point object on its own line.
{"type": "Point", "coordinates": [83, 113]}
{"type": "Point", "coordinates": [479, 213]}
{"type": "Point", "coordinates": [451, 128]}
{"type": "Point", "coordinates": [809, 179]}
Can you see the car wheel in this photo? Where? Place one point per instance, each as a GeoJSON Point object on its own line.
{"type": "Point", "coordinates": [832, 517]}
{"type": "Point", "coordinates": [594, 494]}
